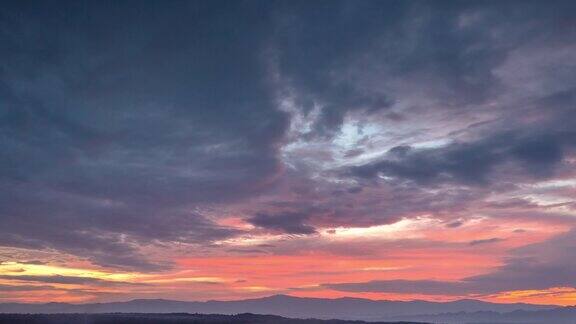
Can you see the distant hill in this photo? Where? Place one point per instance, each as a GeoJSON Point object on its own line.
{"type": "Point", "coordinates": [165, 319]}
{"type": "Point", "coordinates": [561, 315]}
{"type": "Point", "coordinates": [294, 307]}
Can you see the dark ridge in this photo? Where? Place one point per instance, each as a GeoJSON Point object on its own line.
{"type": "Point", "coordinates": [180, 318]}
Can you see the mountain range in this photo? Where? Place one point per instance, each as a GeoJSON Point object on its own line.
{"type": "Point", "coordinates": [461, 311]}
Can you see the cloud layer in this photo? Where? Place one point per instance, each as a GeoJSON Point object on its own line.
{"type": "Point", "coordinates": [137, 135]}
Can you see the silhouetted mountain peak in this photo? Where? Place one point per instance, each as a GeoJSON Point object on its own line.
{"type": "Point", "coordinates": [151, 300]}
{"type": "Point", "coordinates": [281, 297]}
{"type": "Point", "coordinates": [347, 308]}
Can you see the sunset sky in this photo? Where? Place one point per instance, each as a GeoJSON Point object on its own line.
{"type": "Point", "coordinates": [199, 150]}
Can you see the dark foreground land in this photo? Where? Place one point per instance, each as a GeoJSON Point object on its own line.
{"type": "Point", "coordinates": [165, 319]}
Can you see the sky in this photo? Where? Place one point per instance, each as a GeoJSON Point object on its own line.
{"type": "Point", "coordinates": [199, 150]}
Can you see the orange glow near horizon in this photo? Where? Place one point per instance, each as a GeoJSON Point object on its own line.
{"type": "Point", "coordinates": [448, 257]}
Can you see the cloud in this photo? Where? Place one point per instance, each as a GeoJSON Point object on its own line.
{"type": "Point", "coordinates": [485, 241]}
{"type": "Point", "coordinates": [290, 223]}
{"type": "Point", "coordinates": [33, 262]}
{"type": "Point", "coordinates": [454, 224]}
{"type": "Point", "coordinates": [538, 266]}
{"type": "Point", "coordinates": [72, 280]}
{"type": "Point", "coordinates": [114, 139]}
{"type": "Point", "coordinates": [13, 288]}
{"type": "Point", "coordinates": [364, 51]}
{"type": "Point", "coordinates": [537, 155]}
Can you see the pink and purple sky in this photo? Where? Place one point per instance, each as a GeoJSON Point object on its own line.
{"type": "Point", "coordinates": [198, 150]}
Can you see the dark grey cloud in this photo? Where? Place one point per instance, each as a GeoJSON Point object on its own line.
{"type": "Point", "coordinates": [531, 137]}
{"type": "Point", "coordinates": [326, 204]}
{"type": "Point", "coordinates": [485, 241]}
{"type": "Point", "coordinates": [118, 123]}
{"type": "Point", "coordinates": [346, 57]}
{"type": "Point", "coordinates": [538, 155]}
{"type": "Point", "coordinates": [73, 280]}
{"type": "Point", "coordinates": [33, 262]}
{"type": "Point", "coordinates": [286, 222]}
{"type": "Point", "coordinates": [344, 43]}
{"type": "Point", "coordinates": [13, 288]}
{"type": "Point", "coordinates": [454, 224]}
